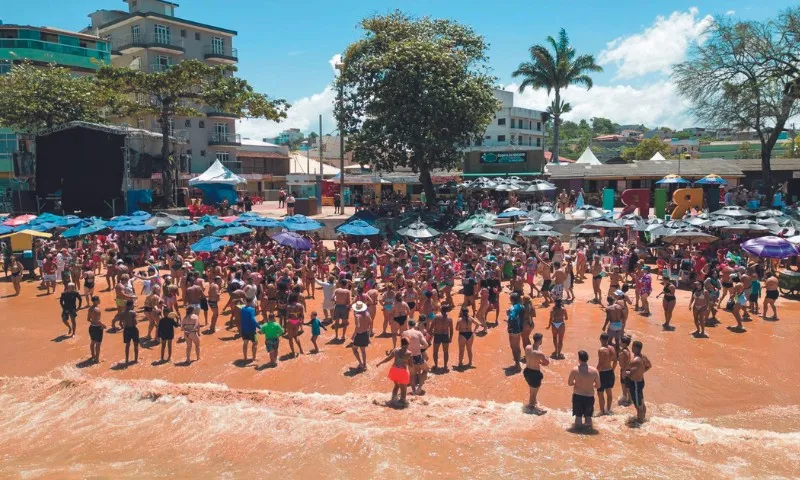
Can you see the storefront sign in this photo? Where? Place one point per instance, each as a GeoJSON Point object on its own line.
{"type": "Point", "coordinates": [503, 157]}
{"type": "Point", "coordinates": [300, 179]}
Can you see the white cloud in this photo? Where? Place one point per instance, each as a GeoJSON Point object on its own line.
{"type": "Point", "coordinates": [655, 104]}
{"type": "Point", "coordinates": [730, 12]}
{"type": "Point", "coordinates": [304, 114]}
{"type": "Point", "coordinates": [658, 47]}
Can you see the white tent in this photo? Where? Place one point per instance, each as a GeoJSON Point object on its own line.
{"type": "Point", "coordinates": [217, 173]}
{"type": "Point", "coordinates": [657, 156]}
{"type": "Point", "coordinates": [588, 158]}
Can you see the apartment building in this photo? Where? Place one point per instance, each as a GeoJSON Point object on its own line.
{"type": "Point", "coordinates": [150, 37]}
{"type": "Point", "coordinates": [79, 52]}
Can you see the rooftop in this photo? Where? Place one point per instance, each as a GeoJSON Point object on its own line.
{"type": "Point", "coordinates": [646, 169]}
{"type": "Point", "coordinates": [57, 31]}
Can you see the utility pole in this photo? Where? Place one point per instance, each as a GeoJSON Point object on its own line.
{"type": "Point", "coordinates": [319, 184]}
{"type": "Point", "coordinates": [340, 66]}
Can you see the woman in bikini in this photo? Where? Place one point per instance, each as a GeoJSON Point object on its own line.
{"type": "Point", "coordinates": [387, 300]}
{"type": "Point", "coordinates": [191, 333]}
{"type": "Point", "coordinates": [399, 373]}
{"type": "Point", "coordinates": [465, 336]}
{"type": "Point", "coordinates": [152, 311]}
{"type": "Point", "coordinates": [16, 275]}
{"type": "Point", "coordinates": [668, 303]}
{"type": "Point", "coordinates": [295, 313]}
{"type": "Point", "coordinates": [400, 312]}
{"type": "Point", "coordinates": [699, 307]}
{"type": "Point", "coordinates": [558, 319]}
{"type": "Point", "coordinates": [527, 320]}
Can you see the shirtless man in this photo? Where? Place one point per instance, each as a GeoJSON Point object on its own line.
{"type": "Point", "coordinates": [534, 359]}
{"type": "Point", "coordinates": [597, 269]}
{"type": "Point", "coordinates": [725, 278]}
{"type": "Point", "coordinates": [123, 294]}
{"type": "Point", "coordinates": [194, 294]}
{"type": "Point", "coordinates": [96, 328]}
{"type": "Point", "coordinates": [419, 369]}
{"type": "Point", "coordinates": [584, 380]}
{"type": "Point", "coordinates": [341, 309]}
{"type": "Point", "coordinates": [624, 358]}
{"type": "Point", "coordinates": [613, 322]}
{"type": "Point", "coordinates": [771, 294]}
{"type": "Point", "coordinates": [635, 377]}
{"type": "Point", "coordinates": [360, 340]}
{"type": "Point", "coordinates": [606, 363]}
{"type": "Point", "coordinates": [747, 281]}
{"type": "Point", "coordinates": [442, 329]}
{"type": "Point", "coordinates": [547, 281]}
{"type": "Point", "coordinates": [130, 332]}
{"type": "Point", "coordinates": [213, 302]}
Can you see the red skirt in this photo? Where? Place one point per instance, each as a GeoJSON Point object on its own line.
{"type": "Point", "coordinates": [399, 376]}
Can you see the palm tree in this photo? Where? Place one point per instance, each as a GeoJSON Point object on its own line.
{"type": "Point", "coordinates": [554, 71]}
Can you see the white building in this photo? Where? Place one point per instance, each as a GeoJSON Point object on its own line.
{"type": "Point", "coordinates": [148, 36]}
{"type": "Point", "coordinates": [514, 128]}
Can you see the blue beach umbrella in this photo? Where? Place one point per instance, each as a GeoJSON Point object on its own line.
{"type": "Point", "coordinates": [261, 222]}
{"type": "Point", "coordinates": [68, 221]}
{"type": "Point", "coordinates": [124, 220]}
{"type": "Point", "coordinates": [672, 180]}
{"type": "Point", "coordinates": [249, 215]}
{"type": "Point", "coordinates": [180, 228]}
{"type": "Point", "coordinates": [513, 212]}
{"type": "Point", "coordinates": [141, 214]}
{"type": "Point", "coordinates": [4, 229]}
{"type": "Point", "coordinates": [229, 231]}
{"type": "Point", "coordinates": [358, 228]}
{"type": "Point", "coordinates": [47, 217]}
{"type": "Point", "coordinates": [134, 227]}
{"type": "Point", "coordinates": [87, 227]}
{"type": "Point", "coordinates": [211, 221]}
{"type": "Point", "coordinates": [711, 180]}
{"type": "Point", "coordinates": [301, 223]}
{"type": "Point", "coordinates": [210, 244]}
{"type": "Point", "coordinates": [36, 227]}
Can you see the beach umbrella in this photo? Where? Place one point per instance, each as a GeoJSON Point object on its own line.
{"type": "Point", "coordinates": [529, 229]}
{"type": "Point", "coordinates": [4, 229]}
{"type": "Point", "coordinates": [587, 211]}
{"type": "Point", "coordinates": [249, 215]}
{"type": "Point", "coordinates": [672, 180]}
{"type": "Point", "coordinates": [50, 217]}
{"type": "Point", "coordinates": [699, 221]}
{"type": "Point", "coordinates": [357, 228]}
{"type": "Point", "coordinates": [19, 220]}
{"type": "Point", "coordinates": [162, 220]}
{"type": "Point", "coordinates": [721, 222]}
{"type": "Point", "coordinates": [545, 217]}
{"type": "Point", "coordinates": [496, 236]}
{"type": "Point", "coordinates": [261, 222]}
{"type": "Point", "coordinates": [711, 180]}
{"type": "Point", "coordinates": [418, 230]}
{"type": "Point", "coordinates": [586, 231]}
{"type": "Point", "coordinates": [795, 240]}
{"type": "Point", "coordinates": [133, 227]}
{"type": "Point", "coordinates": [233, 230]}
{"type": "Point", "coordinates": [181, 228]}
{"type": "Point", "coordinates": [141, 214]}
{"type": "Point", "coordinates": [770, 247]}
{"type": "Point", "coordinates": [229, 218]}
{"type": "Point", "coordinates": [767, 221]}
{"type": "Point", "coordinates": [512, 212]}
{"type": "Point", "coordinates": [507, 187]}
{"type": "Point", "coordinates": [745, 227]}
{"type": "Point", "coordinates": [733, 211]}
{"type": "Point", "coordinates": [301, 223]}
{"type": "Point", "coordinates": [292, 239]}
{"type": "Point", "coordinates": [87, 227]}
{"type": "Point", "coordinates": [211, 221]}
{"type": "Point", "coordinates": [68, 221]}
{"type": "Point", "coordinates": [36, 227]}
{"type": "Point", "coordinates": [210, 244]}
{"type": "Point", "coordinates": [544, 208]}
{"type": "Point", "coordinates": [769, 214]}
{"type": "Point", "coordinates": [125, 220]}
{"type": "Point", "coordinates": [472, 222]}
{"type": "Point", "coordinates": [688, 237]}
{"type": "Point", "coordinates": [601, 223]}
{"type": "Point", "coordinates": [540, 186]}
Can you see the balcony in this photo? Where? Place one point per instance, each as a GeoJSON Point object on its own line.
{"type": "Point", "coordinates": [225, 140]}
{"type": "Point", "coordinates": [219, 114]}
{"type": "Point", "coordinates": [50, 52]}
{"type": "Point", "coordinates": [234, 166]}
{"type": "Point", "coordinates": [134, 42]}
{"type": "Point", "coordinates": [221, 53]}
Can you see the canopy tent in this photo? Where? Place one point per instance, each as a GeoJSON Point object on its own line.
{"type": "Point", "coordinates": [588, 158]}
{"type": "Point", "coordinates": [217, 183]}
{"type": "Point", "coordinates": [657, 156]}
{"type": "Point", "coordinates": [21, 241]}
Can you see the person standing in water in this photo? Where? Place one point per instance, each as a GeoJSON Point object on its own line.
{"type": "Point", "coordinates": [249, 329]}
{"type": "Point", "coordinates": [635, 377]}
{"type": "Point", "coordinates": [668, 303]}
{"type": "Point", "coordinates": [96, 329]}
{"type": "Point", "coordinates": [419, 368]}
{"type": "Point", "coordinates": [360, 340]}
{"type": "Point", "coordinates": [606, 363]}
{"type": "Point", "coordinates": [558, 325]}
{"type": "Point", "coordinates": [534, 360]}
{"type": "Point", "coordinates": [191, 333]}
{"type": "Point", "coordinates": [272, 331]}
{"type": "Point", "coordinates": [399, 372]}
{"type": "Point", "coordinates": [624, 358]}
{"type": "Point", "coordinates": [465, 336]}
{"type": "Point", "coordinates": [71, 301]}
{"type": "Point", "coordinates": [771, 287]}
{"type": "Point", "coordinates": [515, 320]}
{"type": "Point", "coordinates": [584, 380]}
{"type": "Point", "coordinates": [130, 332]}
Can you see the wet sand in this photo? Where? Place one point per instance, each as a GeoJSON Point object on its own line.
{"type": "Point", "coordinates": [719, 407]}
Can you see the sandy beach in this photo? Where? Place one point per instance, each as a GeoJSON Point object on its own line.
{"type": "Point", "coordinates": [726, 406]}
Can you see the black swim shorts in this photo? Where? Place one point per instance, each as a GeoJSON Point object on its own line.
{"type": "Point", "coordinates": [533, 377]}
{"type": "Point", "coordinates": [607, 380]}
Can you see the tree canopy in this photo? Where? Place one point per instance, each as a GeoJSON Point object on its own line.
{"type": "Point", "coordinates": [746, 75]}
{"type": "Point", "coordinates": [415, 92]}
{"type": "Point", "coordinates": [36, 97]}
{"type": "Point", "coordinates": [645, 150]}
{"type": "Point", "coordinates": [182, 90]}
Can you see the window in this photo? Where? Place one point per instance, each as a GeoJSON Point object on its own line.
{"type": "Point", "coordinates": [488, 137]}
{"type": "Point", "coordinates": [501, 138]}
{"type": "Point", "coordinates": [513, 123]}
{"type": "Point", "coordinates": [135, 33]}
{"type": "Point", "coordinates": [171, 127]}
{"type": "Point", "coordinates": [202, 153]}
{"type": "Point", "coordinates": [187, 123]}
{"type": "Point", "coordinates": [162, 34]}
{"type": "Point", "coordinates": [221, 129]}
{"type": "Point", "coordinates": [538, 142]}
{"type": "Point", "coordinates": [197, 35]}
{"type": "Point", "coordinates": [501, 121]}
{"type": "Point", "coordinates": [218, 45]}
{"type": "Point", "coordinates": [538, 125]}
{"type": "Point", "coordinates": [201, 123]}
{"type": "Point", "coordinates": [223, 156]}
{"type": "Point", "coordinates": [189, 152]}
{"type": "Point", "coordinates": [183, 32]}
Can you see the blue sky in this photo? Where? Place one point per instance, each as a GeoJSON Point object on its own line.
{"type": "Point", "coordinates": [285, 47]}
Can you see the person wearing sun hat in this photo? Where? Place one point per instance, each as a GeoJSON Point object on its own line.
{"type": "Point", "coordinates": [360, 338]}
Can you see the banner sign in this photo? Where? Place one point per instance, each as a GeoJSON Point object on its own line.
{"type": "Point", "coordinates": [503, 157]}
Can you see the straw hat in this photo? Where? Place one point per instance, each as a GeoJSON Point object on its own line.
{"type": "Point", "coordinates": [359, 307]}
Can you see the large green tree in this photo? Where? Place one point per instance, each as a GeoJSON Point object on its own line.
{"type": "Point", "coordinates": [645, 149]}
{"type": "Point", "coordinates": [556, 70]}
{"type": "Point", "coordinates": [414, 93]}
{"type": "Point", "coordinates": [182, 90]}
{"type": "Point", "coordinates": [36, 97]}
{"type": "Point", "coordinates": [746, 74]}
